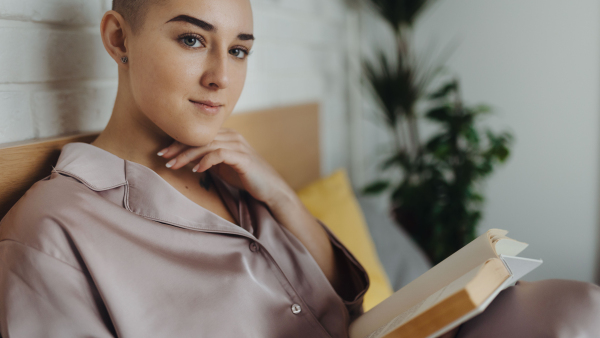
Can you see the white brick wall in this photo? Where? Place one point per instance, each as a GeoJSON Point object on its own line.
{"type": "Point", "coordinates": [57, 79]}
{"type": "Point", "coordinates": [53, 110]}
{"type": "Point", "coordinates": [15, 116]}
{"type": "Point", "coordinates": [66, 12]}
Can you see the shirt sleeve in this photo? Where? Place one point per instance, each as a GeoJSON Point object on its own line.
{"type": "Point", "coordinates": [43, 296]}
{"type": "Point", "coordinates": [356, 280]}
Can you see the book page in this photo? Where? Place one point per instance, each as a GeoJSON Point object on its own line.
{"type": "Point", "coordinates": [508, 246]}
{"type": "Point", "coordinates": [425, 304]}
{"type": "Point", "coordinates": [519, 266]}
{"type": "Point", "coordinates": [461, 262]}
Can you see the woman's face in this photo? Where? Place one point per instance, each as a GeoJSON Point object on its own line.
{"type": "Point", "coordinates": [188, 65]}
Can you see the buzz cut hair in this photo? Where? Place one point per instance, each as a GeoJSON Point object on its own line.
{"type": "Point", "coordinates": [133, 11]}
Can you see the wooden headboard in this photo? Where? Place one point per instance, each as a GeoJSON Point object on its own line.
{"type": "Point", "coordinates": [287, 137]}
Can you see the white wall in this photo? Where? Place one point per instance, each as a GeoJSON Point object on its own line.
{"type": "Point", "coordinates": [537, 63]}
{"type": "Point", "coordinates": [52, 64]}
{"type": "Point", "coordinates": [56, 78]}
{"type": "Point", "coordinates": [300, 56]}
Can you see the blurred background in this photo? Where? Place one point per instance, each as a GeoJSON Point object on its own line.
{"type": "Point", "coordinates": [534, 62]}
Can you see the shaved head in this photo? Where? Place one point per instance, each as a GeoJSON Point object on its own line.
{"type": "Point", "coordinates": [134, 11]}
{"type": "Point", "coordinates": [180, 74]}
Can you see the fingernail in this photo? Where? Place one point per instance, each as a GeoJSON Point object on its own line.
{"type": "Point", "coordinates": [196, 168]}
{"type": "Point", "coordinates": [162, 152]}
{"type": "Point", "coordinates": [171, 163]}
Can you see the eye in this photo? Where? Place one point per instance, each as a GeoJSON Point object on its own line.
{"type": "Point", "coordinates": [237, 52]}
{"type": "Point", "coordinates": [191, 41]}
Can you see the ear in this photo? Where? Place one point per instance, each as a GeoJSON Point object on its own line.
{"type": "Point", "coordinates": [114, 35]}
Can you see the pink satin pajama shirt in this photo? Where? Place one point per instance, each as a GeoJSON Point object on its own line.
{"type": "Point", "coordinates": [104, 247]}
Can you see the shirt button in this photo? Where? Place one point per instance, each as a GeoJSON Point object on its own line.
{"type": "Point", "coordinates": [253, 247]}
{"type": "Point", "coordinates": [296, 309]}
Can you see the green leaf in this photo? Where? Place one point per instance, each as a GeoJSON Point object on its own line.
{"type": "Point", "coordinates": [441, 114]}
{"type": "Point", "coordinates": [502, 153]}
{"type": "Point", "coordinates": [483, 109]}
{"type": "Point", "coordinates": [400, 13]}
{"type": "Point", "coordinates": [376, 187]}
{"type": "Point", "coordinates": [445, 90]}
{"type": "Point", "coordinates": [475, 197]}
{"type": "Point", "coordinates": [442, 151]}
{"type": "Point", "coordinates": [472, 136]}
{"type": "Point", "coordinates": [400, 159]}
{"type": "Point", "coordinates": [436, 141]}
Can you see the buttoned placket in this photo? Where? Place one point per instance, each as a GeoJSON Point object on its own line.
{"type": "Point", "coordinates": [241, 211]}
{"type": "Point", "coordinates": [241, 230]}
{"type": "Point", "coordinates": [245, 222]}
{"type": "Point", "coordinates": [279, 274]}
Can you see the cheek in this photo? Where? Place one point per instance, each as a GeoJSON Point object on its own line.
{"type": "Point", "coordinates": [238, 78]}
{"type": "Point", "coordinates": [158, 82]}
{"type": "Point", "coordinates": [161, 85]}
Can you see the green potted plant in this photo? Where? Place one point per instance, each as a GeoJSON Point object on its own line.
{"type": "Point", "coordinates": [437, 196]}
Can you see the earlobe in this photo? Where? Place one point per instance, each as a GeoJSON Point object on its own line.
{"type": "Point", "coordinates": [112, 30]}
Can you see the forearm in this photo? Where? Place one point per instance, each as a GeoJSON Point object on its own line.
{"type": "Point", "coordinates": [289, 211]}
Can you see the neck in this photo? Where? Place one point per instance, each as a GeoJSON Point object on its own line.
{"type": "Point", "coordinates": [132, 136]}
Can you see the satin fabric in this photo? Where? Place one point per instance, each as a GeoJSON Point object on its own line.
{"type": "Point", "coordinates": [550, 308]}
{"type": "Point", "coordinates": [104, 247]}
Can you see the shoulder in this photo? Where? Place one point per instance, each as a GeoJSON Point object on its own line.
{"type": "Point", "coordinates": [51, 198]}
{"type": "Point", "coordinates": [42, 216]}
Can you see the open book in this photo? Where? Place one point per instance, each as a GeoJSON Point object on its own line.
{"type": "Point", "coordinates": [450, 293]}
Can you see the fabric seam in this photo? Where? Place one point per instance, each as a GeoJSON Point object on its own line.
{"type": "Point", "coordinates": [86, 183]}
{"type": "Point", "coordinates": [42, 252]}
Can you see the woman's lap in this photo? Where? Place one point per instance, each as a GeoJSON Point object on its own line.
{"type": "Point", "coordinates": [547, 308]}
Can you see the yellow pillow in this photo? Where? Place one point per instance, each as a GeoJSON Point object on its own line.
{"type": "Point", "coordinates": [332, 201]}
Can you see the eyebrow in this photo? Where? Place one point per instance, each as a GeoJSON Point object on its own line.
{"type": "Point", "coordinates": [246, 37]}
{"type": "Point", "coordinates": [206, 26]}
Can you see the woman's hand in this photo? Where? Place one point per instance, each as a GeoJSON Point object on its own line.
{"type": "Point", "coordinates": [236, 162]}
{"type": "Point", "coordinates": [231, 157]}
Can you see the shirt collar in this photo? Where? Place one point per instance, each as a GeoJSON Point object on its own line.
{"type": "Point", "coordinates": [146, 193]}
{"type": "Point", "coordinates": [98, 169]}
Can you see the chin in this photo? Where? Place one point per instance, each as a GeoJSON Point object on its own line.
{"type": "Point", "coordinates": [196, 137]}
{"type": "Point", "coordinates": [188, 127]}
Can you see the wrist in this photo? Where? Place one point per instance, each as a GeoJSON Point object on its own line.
{"type": "Point", "coordinates": [284, 200]}
{"type": "Point", "coordinates": [290, 212]}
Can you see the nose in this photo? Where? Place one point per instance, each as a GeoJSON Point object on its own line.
{"type": "Point", "coordinates": [215, 74]}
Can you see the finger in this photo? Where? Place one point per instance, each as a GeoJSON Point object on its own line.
{"type": "Point", "coordinates": [196, 153]}
{"type": "Point", "coordinates": [175, 148]}
{"type": "Point", "coordinates": [237, 160]}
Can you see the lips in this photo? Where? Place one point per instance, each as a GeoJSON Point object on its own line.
{"type": "Point", "coordinates": [208, 103]}
{"type": "Point", "coordinates": [208, 107]}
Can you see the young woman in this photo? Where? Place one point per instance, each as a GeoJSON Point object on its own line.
{"type": "Point", "coordinates": [168, 225]}
{"type": "Point", "coordinates": [213, 244]}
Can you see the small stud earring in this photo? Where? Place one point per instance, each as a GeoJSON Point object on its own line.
{"type": "Point", "coordinates": [124, 59]}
